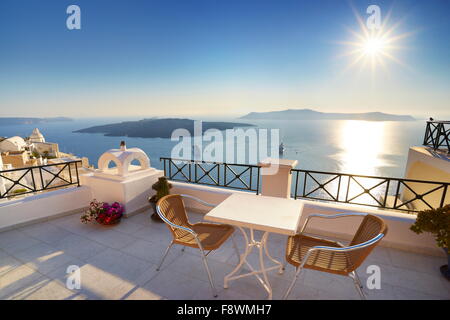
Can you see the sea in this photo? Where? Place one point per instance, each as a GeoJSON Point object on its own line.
{"type": "Point", "coordinates": [346, 146]}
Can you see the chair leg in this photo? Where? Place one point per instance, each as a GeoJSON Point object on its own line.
{"type": "Point", "coordinates": [358, 284]}
{"type": "Point", "coordinates": [214, 291]}
{"type": "Point", "coordinates": [297, 274]}
{"type": "Point", "coordinates": [164, 256]}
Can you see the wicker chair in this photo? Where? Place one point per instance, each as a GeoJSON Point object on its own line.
{"type": "Point", "coordinates": [204, 236]}
{"type": "Point", "coordinates": [309, 252]}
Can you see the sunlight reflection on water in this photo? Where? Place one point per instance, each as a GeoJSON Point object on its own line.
{"type": "Point", "coordinates": [362, 145]}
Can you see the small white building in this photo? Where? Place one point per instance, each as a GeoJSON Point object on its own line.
{"type": "Point", "coordinates": [15, 143]}
{"type": "Point", "coordinates": [37, 144]}
{"type": "Point", "coordinates": [36, 136]}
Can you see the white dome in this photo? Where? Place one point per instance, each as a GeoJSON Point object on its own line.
{"type": "Point", "coordinates": [15, 143]}
{"type": "Point", "coordinates": [36, 136]}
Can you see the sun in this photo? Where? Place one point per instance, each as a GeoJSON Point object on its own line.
{"type": "Point", "coordinates": [374, 48]}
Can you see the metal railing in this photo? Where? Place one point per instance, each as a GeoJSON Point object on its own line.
{"type": "Point", "coordinates": [381, 192]}
{"type": "Point", "coordinates": [437, 135]}
{"type": "Point", "coordinates": [20, 181]}
{"type": "Point", "coordinates": [235, 176]}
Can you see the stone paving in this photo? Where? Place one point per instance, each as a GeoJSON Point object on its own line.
{"type": "Point", "coordinates": [119, 262]}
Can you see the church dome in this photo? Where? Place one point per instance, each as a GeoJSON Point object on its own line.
{"type": "Point", "coordinates": [36, 136]}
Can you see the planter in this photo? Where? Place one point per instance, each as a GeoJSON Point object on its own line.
{"type": "Point", "coordinates": [162, 187]}
{"type": "Point", "coordinates": [155, 216]}
{"type": "Point", "coordinates": [108, 222]}
{"type": "Point", "coordinates": [445, 269]}
{"type": "Point", "coordinates": [103, 213]}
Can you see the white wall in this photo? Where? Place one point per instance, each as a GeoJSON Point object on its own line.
{"type": "Point", "coordinates": [426, 164]}
{"type": "Point", "coordinates": [33, 208]}
{"type": "Point", "coordinates": [131, 191]}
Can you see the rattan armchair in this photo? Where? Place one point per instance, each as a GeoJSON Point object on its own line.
{"type": "Point", "coordinates": [204, 236]}
{"type": "Point", "coordinates": [303, 251]}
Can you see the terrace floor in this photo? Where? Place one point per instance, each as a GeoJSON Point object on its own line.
{"type": "Point", "coordinates": [119, 262]}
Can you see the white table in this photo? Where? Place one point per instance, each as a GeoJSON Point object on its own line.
{"type": "Point", "coordinates": [254, 212]}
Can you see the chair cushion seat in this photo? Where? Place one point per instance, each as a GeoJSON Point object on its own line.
{"type": "Point", "coordinates": [210, 235]}
{"type": "Point", "coordinates": [327, 261]}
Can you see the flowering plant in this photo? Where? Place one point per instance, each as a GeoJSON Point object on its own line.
{"type": "Point", "coordinates": [103, 212]}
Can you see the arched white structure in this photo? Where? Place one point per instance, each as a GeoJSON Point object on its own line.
{"type": "Point", "coordinates": [123, 159]}
{"type": "Point", "coordinates": [127, 184]}
{"type": "Point", "coordinates": [15, 143]}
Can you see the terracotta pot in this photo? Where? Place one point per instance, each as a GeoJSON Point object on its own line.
{"type": "Point", "coordinates": [445, 269]}
{"type": "Point", "coordinates": [155, 217]}
{"type": "Point", "coordinates": [108, 220]}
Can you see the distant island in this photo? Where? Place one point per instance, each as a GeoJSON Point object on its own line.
{"type": "Point", "coordinates": [156, 128]}
{"type": "Point", "coordinates": [16, 120]}
{"type": "Point", "coordinates": [308, 114]}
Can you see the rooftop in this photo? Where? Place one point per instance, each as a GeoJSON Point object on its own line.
{"type": "Point", "coordinates": [119, 262]}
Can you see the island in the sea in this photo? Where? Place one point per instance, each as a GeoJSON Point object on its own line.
{"type": "Point", "coordinates": [309, 114]}
{"type": "Point", "coordinates": [17, 120]}
{"type": "Point", "coordinates": [157, 128]}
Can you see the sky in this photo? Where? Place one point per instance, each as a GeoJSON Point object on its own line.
{"type": "Point", "coordinates": [219, 57]}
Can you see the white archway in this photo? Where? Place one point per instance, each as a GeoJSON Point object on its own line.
{"type": "Point", "coordinates": [123, 159]}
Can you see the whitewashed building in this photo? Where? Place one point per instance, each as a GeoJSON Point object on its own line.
{"type": "Point", "coordinates": [14, 144]}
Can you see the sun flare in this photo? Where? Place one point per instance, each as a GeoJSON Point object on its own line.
{"type": "Point", "coordinates": [374, 48]}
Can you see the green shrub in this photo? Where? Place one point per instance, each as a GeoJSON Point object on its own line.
{"type": "Point", "coordinates": [19, 191]}
{"type": "Point", "coordinates": [437, 222]}
{"type": "Point", "coordinates": [162, 188]}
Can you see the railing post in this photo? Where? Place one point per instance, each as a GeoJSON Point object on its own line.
{"type": "Point", "coordinates": [165, 169]}
{"type": "Point", "coordinates": [276, 177]}
{"type": "Point", "coordinates": [257, 179]}
{"type": "Point", "coordinates": [296, 184]}
{"type": "Point", "coordinates": [437, 141]}
{"type": "Point", "coordinates": [428, 133]}
{"type": "Point", "coordinates": [78, 175]}
{"type": "Point", "coordinates": [444, 195]}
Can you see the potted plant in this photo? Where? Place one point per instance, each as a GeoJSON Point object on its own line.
{"type": "Point", "coordinates": [437, 222]}
{"type": "Point", "coordinates": [103, 213]}
{"type": "Point", "coordinates": [162, 188]}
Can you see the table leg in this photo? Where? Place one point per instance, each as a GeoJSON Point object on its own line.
{"type": "Point", "coordinates": [262, 245]}
{"type": "Point", "coordinates": [261, 261]}
{"type": "Point", "coordinates": [243, 258]}
{"type": "Point", "coordinates": [280, 271]}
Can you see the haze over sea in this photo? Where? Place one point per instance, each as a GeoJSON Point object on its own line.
{"type": "Point", "coordinates": [347, 146]}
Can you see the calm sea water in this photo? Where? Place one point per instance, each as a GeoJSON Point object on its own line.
{"type": "Point", "coordinates": [359, 147]}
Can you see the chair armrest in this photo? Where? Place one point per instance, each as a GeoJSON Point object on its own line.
{"type": "Point", "coordinates": [198, 200]}
{"type": "Point", "coordinates": [330, 216]}
{"type": "Point", "coordinates": [170, 223]}
{"type": "Point", "coordinates": [342, 249]}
